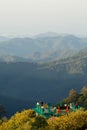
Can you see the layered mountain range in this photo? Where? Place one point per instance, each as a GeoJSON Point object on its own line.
{"type": "Point", "coordinates": [44, 47]}
{"type": "Point", "coordinates": [29, 73]}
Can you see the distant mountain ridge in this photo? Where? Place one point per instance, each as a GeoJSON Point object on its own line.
{"type": "Point", "coordinates": [45, 47]}
{"type": "Point", "coordinates": [47, 34]}
{"type": "Point", "coordinates": [3, 38]}
{"type": "Point", "coordinates": [13, 59]}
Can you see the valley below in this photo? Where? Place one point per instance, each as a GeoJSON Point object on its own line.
{"type": "Point", "coordinates": [22, 84]}
{"type": "Point", "coordinates": [55, 65]}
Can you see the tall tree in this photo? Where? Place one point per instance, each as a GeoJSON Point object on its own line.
{"type": "Point", "coordinates": [73, 95]}
{"type": "Point", "coordinates": [84, 91]}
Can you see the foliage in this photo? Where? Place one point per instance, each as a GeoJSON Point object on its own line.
{"type": "Point", "coordinates": [3, 119]}
{"type": "Point", "coordinates": [74, 121]}
{"type": "Point", "coordinates": [40, 123]}
{"type": "Point", "coordinates": [84, 92]}
{"type": "Point", "coordinates": [19, 121]}
{"type": "Point", "coordinates": [27, 120]}
{"type": "Point", "coordinates": [74, 96]}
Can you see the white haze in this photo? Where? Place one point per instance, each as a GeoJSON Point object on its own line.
{"type": "Point", "coordinates": [29, 17]}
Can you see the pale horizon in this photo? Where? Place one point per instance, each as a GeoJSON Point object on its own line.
{"type": "Point", "coordinates": [30, 17]}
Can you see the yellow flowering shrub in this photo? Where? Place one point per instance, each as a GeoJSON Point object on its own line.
{"type": "Point", "coordinates": [19, 121]}
{"type": "Point", "coordinates": [27, 118]}
{"type": "Point", "coordinates": [73, 121]}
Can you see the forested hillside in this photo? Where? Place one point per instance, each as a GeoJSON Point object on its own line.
{"type": "Point", "coordinates": [25, 83]}
{"type": "Point", "coordinates": [45, 47]}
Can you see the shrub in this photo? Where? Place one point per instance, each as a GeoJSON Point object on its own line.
{"type": "Point", "coordinates": [27, 120]}
{"type": "Point", "coordinates": [40, 123]}
{"type": "Point", "coordinates": [74, 121]}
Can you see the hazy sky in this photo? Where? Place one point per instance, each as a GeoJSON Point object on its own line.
{"type": "Point", "coordinates": [23, 17]}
